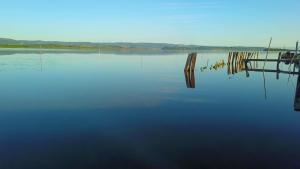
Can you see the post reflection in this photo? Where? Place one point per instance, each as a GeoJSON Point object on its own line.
{"type": "Point", "coordinates": [189, 70]}
{"type": "Point", "coordinates": [190, 79]}
{"type": "Point", "coordinates": [297, 96]}
{"type": "Point", "coordinates": [246, 62]}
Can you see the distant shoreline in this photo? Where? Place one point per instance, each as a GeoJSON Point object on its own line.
{"type": "Point", "coordinates": [132, 49]}
{"type": "Point", "coordinates": [122, 46]}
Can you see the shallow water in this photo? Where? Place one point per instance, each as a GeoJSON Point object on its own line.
{"type": "Point", "coordinates": [113, 111]}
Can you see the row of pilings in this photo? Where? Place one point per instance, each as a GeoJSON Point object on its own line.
{"type": "Point", "coordinates": [236, 61]}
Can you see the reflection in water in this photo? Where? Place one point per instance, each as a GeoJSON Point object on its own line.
{"type": "Point", "coordinates": [218, 65]}
{"type": "Point", "coordinates": [41, 61]}
{"type": "Point", "coordinates": [27, 63]}
{"type": "Point", "coordinates": [189, 70]}
{"type": "Point", "coordinates": [235, 64]}
{"type": "Point", "coordinates": [191, 62]}
{"type": "Point", "coordinates": [238, 62]}
{"type": "Point", "coordinates": [86, 111]}
{"type": "Point", "coordinates": [287, 58]}
{"type": "Point", "coordinates": [190, 79]}
{"type": "Point", "coordinates": [297, 92]}
{"type": "Point", "coordinates": [297, 96]}
{"type": "Point", "coordinates": [265, 86]}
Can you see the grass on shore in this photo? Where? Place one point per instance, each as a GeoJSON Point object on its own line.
{"type": "Point", "coordinates": [77, 47]}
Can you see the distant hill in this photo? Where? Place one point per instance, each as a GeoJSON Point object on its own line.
{"type": "Point", "coordinates": [7, 41]}
{"type": "Point", "coordinates": [120, 46]}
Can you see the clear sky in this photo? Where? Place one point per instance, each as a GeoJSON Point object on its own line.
{"type": "Point", "coordinates": [202, 22]}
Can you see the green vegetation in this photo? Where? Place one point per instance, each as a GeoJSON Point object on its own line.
{"type": "Point", "coordinates": [123, 47]}
{"type": "Point", "coordinates": [75, 47]}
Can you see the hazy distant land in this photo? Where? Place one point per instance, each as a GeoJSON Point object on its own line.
{"type": "Point", "coordinates": [120, 46]}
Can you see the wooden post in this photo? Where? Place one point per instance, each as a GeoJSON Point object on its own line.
{"type": "Point", "coordinates": [236, 61]}
{"type": "Point", "coordinates": [297, 96]}
{"type": "Point", "coordinates": [246, 68]}
{"type": "Point", "coordinates": [187, 79]}
{"type": "Point", "coordinates": [228, 69]}
{"type": "Point", "coordinates": [249, 57]}
{"type": "Point", "coordinates": [189, 70]}
{"type": "Point", "coordinates": [191, 62]}
{"type": "Point", "coordinates": [190, 79]}
{"type": "Point", "coordinates": [297, 48]}
{"type": "Point", "coordinates": [232, 65]}
{"type": "Point", "coordinates": [229, 58]}
{"type": "Point", "coordinates": [267, 52]}
{"type": "Point", "coordinates": [188, 63]}
{"type": "Point", "coordinates": [193, 81]}
{"type": "Point", "coordinates": [278, 61]}
{"type": "Point", "coordinates": [242, 55]}
{"type": "Point", "coordinates": [257, 55]}
{"type": "Point", "coordinates": [233, 56]}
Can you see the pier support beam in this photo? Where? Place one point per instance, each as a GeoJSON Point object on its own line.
{"type": "Point", "coordinates": [297, 43]}
{"type": "Point", "coordinates": [297, 96]}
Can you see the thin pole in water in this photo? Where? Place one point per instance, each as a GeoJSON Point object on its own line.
{"type": "Point", "coordinates": [99, 50]}
{"type": "Point", "coordinates": [267, 53]}
{"type": "Point", "coordinates": [41, 60]}
{"type": "Point", "coordinates": [297, 47]}
{"type": "Point", "coordinates": [264, 78]}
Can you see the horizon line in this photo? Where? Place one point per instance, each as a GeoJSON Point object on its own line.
{"type": "Point", "coordinates": [143, 42]}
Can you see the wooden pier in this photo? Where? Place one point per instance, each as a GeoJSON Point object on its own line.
{"type": "Point", "coordinates": [287, 58]}
{"type": "Point", "coordinates": [272, 71]}
{"type": "Point", "coordinates": [269, 60]}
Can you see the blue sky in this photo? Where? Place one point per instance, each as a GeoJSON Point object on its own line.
{"type": "Point", "coordinates": [202, 22]}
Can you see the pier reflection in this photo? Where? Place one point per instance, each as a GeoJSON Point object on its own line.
{"type": "Point", "coordinates": [248, 62]}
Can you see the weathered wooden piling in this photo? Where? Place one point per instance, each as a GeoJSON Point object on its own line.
{"type": "Point", "coordinates": [188, 63]}
{"type": "Point", "coordinates": [229, 58]}
{"type": "Point", "coordinates": [297, 96]}
{"type": "Point", "coordinates": [189, 70]}
{"type": "Point", "coordinates": [236, 61]}
{"type": "Point", "coordinates": [191, 62]}
{"type": "Point", "coordinates": [297, 44]}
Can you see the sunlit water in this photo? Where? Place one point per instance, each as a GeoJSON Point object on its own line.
{"type": "Point", "coordinates": [91, 111]}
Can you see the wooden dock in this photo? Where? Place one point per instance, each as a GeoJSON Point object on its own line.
{"type": "Point", "coordinates": [272, 71]}
{"type": "Point", "coordinates": [270, 60]}
{"type": "Point", "coordinates": [287, 58]}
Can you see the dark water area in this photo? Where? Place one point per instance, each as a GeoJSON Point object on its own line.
{"type": "Point", "coordinates": [108, 111]}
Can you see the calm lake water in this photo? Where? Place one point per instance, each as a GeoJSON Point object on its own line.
{"type": "Point", "coordinates": [109, 111]}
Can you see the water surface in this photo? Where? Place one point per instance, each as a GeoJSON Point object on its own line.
{"type": "Point", "coordinates": [86, 111]}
